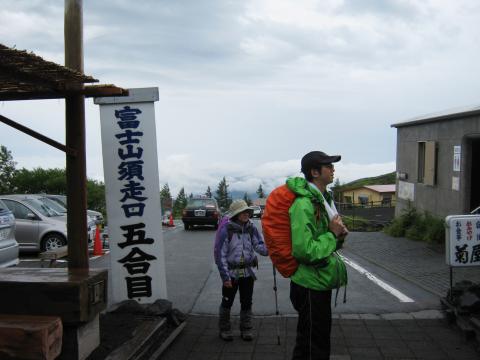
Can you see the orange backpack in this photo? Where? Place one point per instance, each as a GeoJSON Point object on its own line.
{"type": "Point", "coordinates": [277, 232]}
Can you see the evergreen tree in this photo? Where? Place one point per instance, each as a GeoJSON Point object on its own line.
{"type": "Point", "coordinates": [260, 192]}
{"type": "Point", "coordinates": [208, 193]}
{"type": "Point", "coordinates": [166, 198]}
{"type": "Point", "coordinates": [7, 171]}
{"type": "Point", "coordinates": [165, 192]}
{"type": "Point", "coordinates": [336, 190]}
{"type": "Point", "coordinates": [180, 203]}
{"type": "Point", "coordinates": [247, 199]}
{"type": "Point", "coordinates": [222, 197]}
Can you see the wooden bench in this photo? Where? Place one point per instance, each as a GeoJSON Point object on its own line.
{"type": "Point", "coordinates": [30, 337]}
{"type": "Point", "coordinates": [53, 255]}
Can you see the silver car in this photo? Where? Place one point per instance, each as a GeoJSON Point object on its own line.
{"type": "Point", "coordinates": [62, 200]}
{"type": "Point", "coordinates": [59, 208]}
{"type": "Point", "coordinates": [38, 227]}
{"type": "Point", "coordinates": [8, 244]}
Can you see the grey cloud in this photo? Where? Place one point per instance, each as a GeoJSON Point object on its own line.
{"type": "Point", "coordinates": [393, 8]}
{"type": "Point", "coordinates": [169, 32]}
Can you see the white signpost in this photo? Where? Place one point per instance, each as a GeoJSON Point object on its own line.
{"type": "Point", "coordinates": [406, 190]}
{"type": "Point", "coordinates": [133, 196]}
{"type": "Point", "coordinates": [462, 240]}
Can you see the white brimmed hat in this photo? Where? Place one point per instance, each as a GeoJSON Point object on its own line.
{"type": "Point", "coordinates": [237, 207]}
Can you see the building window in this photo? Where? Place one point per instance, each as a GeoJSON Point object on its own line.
{"type": "Point", "coordinates": [387, 200]}
{"type": "Point", "coordinates": [363, 199]}
{"type": "Point", "coordinates": [421, 161]}
{"type": "Point", "coordinates": [426, 162]}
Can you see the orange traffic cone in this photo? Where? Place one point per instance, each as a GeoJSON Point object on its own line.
{"type": "Point", "coordinates": [170, 223]}
{"type": "Point", "coordinates": [97, 245]}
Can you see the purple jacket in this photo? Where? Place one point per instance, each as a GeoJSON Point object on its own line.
{"type": "Point", "coordinates": [244, 240]}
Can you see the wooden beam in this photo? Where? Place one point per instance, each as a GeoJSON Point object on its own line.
{"type": "Point", "coordinates": [75, 138]}
{"type": "Point", "coordinates": [104, 91]}
{"type": "Point", "coordinates": [38, 136]}
{"type": "Point", "coordinates": [88, 91]}
{"type": "Point", "coordinates": [30, 337]}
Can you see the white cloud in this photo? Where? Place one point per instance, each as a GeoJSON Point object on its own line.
{"type": "Point", "coordinates": [247, 87]}
{"type": "Point", "coordinates": [182, 171]}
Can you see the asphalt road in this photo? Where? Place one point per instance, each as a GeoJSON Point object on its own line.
{"type": "Point", "coordinates": [194, 286]}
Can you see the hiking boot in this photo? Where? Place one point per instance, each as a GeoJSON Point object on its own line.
{"type": "Point", "coordinates": [246, 326]}
{"type": "Point", "coordinates": [224, 324]}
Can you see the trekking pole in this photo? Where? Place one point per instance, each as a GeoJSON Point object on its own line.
{"type": "Point", "coordinates": [276, 303]}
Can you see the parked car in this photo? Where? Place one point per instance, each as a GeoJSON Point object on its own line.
{"type": "Point", "coordinates": [62, 200]}
{"type": "Point", "coordinates": [201, 211]}
{"type": "Point", "coordinates": [8, 243]}
{"type": "Point", "coordinates": [38, 227]}
{"type": "Point", "coordinates": [257, 211]}
{"type": "Point", "coordinates": [91, 222]}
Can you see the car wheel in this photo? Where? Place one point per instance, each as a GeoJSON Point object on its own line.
{"type": "Point", "coordinates": [187, 226]}
{"type": "Point", "coordinates": [53, 241]}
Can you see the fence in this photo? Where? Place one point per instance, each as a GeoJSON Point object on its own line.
{"type": "Point", "coordinates": [385, 203]}
{"type": "Point", "coordinates": [370, 216]}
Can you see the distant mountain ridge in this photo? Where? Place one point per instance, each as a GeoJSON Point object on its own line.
{"type": "Point", "coordinates": [234, 194]}
{"type": "Point", "coordinates": [384, 179]}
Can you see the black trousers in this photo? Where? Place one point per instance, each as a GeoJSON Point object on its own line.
{"type": "Point", "coordinates": [314, 322]}
{"type": "Point", "coordinates": [245, 285]}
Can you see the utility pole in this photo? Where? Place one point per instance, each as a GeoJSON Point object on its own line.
{"type": "Point", "coordinates": [75, 139]}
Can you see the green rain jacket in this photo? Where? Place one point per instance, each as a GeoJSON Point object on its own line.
{"type": "Point", "coordinates": [313, 245]}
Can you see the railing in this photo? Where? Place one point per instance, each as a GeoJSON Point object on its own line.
{"type": "Point", "coordinates": [367, 204]}
{"type": "Point", "coordinates": [371, 216]}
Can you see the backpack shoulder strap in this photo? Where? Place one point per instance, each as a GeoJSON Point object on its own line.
{"type": "Point", "coordinates": [316, 205]}
{"type": "Point", "coordinates": [229, 233]}
{"type": "Point", "coordinates": [251, 231]}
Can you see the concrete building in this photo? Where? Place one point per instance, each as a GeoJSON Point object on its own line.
{"type": "Point", "coordinates": [438, 162]}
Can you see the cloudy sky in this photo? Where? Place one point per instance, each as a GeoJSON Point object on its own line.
{"type": "Point", "coordinates": [249, 86]}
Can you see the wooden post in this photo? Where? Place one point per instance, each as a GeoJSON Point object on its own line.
{"type": "Point", "coordinates": [75, 139]}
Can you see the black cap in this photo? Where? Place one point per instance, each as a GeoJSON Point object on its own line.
{"type": "Point", "coordinates": [315, 159]}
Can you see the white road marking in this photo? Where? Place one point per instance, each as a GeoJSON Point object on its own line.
{"type": "Point", "coordinates": [399, 295]}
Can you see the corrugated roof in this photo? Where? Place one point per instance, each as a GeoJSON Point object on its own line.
{"type": "Point", "coordinates": [381, 188]}
{"type": "Point", "coordinates": [441, 116]}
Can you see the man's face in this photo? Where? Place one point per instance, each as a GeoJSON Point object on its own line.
{"type": "Point", "coordinates": [325, 174]}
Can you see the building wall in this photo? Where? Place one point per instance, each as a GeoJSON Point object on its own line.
{"type": "Point", "coordinates": [372, 195]}
{"type": "Point", "coordinates": [440, 199]}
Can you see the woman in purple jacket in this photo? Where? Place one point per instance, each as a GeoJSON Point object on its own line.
{"type": "Point", "coordinates": [240, 240]}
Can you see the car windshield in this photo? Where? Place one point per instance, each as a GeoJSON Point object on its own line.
{"type": "Point", "coordinates": [42, 207]}
{"type": "Point", "coordinates": [194, 203]}
{"type": "Point", "coordinates": [59, 199]}
{"type": "Point", "coordinates": [54, 205]}
{"type": "Point", "coordinates": [3, 207]}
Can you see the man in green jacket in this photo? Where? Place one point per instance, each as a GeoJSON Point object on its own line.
{"type": "Point", "coordinates": [317, 232]}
